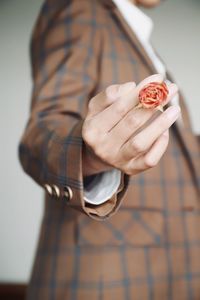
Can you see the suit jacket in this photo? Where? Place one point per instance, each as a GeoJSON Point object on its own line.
{"type": "Point", "coordinates": [147, 245]}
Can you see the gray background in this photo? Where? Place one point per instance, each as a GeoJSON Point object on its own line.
{"type": "Point", "coordinates": [176, 37]}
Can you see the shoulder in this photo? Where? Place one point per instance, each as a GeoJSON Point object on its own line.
{"type": "Point", "coordinates": [80, 16]}
{"type": "Point", "coordinates": [87, 8]}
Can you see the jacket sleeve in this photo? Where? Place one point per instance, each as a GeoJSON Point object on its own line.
{"type": "Point", "coordinates": [65, 52]}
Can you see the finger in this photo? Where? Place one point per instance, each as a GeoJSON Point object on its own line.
{"type": "Point", "coordinates": [152, 78]}
{"type": "Point", "coordinates": [152, 157]}
{"type": "Point", "coordinates": [126, 127]}
{"type": "Point", "coordinates": [125, 102]}
{"type": "Point", "coordinates": [108, 97]}
{"type": "Point", "coordinates": [141, 142]}
{"type": "Point", "coordinates": [173, 90]}
{"type": "Point", "coordinates": [134, 120]}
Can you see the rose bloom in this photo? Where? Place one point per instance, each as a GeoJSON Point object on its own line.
{"type": "Point", "coordinates": [153, 95]}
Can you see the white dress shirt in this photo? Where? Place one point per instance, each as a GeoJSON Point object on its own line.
{"type": "Point", "coordinates": [106, 184]}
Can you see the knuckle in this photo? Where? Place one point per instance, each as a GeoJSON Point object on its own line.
{"type": "Point", "coordinates": [163, 122]}
{"type": "Point", "coordinates": [89, 135]}
{"type": "Point", "coordinates": [97, 151]}
{"type": "Point", "coordinates": [107, 101]}
{"type": "Point", "coordinates": [127, 168]}
{"type": "Point", "coordinates": [138, 145]}
{"type": "Point", "coordinates": [132, 121]}
{"type": "Point", "coordinates": [120, 109]}
{"type": "Point", "coordinates": [124, 169]}
{"type": "Point", "coordinates": [111, 92]}
{"type": "Point", "coordinates": [105, 156]}
{"type": "Point", "coordinates": [100, 151]}
{"type": "Point", "coordinates": [150, 162]}
{"type": "Point", "coordinates": [130, 170]}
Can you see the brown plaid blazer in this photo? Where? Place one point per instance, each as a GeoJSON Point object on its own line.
{"type": "Point", "coordinates": [149, 248]}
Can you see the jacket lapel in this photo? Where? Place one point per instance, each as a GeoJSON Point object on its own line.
{"type": "Point", "coordinates": [134, 40]}
{"type": "Point", "coordinates": [109, 4]}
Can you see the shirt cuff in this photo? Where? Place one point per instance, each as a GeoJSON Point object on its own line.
{"type": "Point", "coordinates": [102, 187]}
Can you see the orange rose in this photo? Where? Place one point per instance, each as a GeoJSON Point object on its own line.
{"type": "Point", "coordinates": [153, 95]}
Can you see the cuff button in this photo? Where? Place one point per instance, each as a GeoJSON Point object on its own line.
{"type": "Point", "coordinates": [56, 191]}
{"type": "Point", "coordinates": [48, 189]}
{"type": "Point", "coordinates": [68, 194]}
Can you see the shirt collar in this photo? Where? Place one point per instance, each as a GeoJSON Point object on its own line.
{"type": "Point", "coordinates": [140, 22]}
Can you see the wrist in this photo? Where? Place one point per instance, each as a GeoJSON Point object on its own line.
{"type": "Point", "coordinates": [91, 164]}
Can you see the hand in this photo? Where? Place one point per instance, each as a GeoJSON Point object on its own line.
{"type": "Point", "coordinates": [116, 135]}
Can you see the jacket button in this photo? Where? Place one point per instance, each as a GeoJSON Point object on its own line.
{"type": "Point", "coordinates": [48, 189]}
{"type": "Point", "coordinates": [55, 191]}
{"type": "Point", "coordinates": [68, 194]}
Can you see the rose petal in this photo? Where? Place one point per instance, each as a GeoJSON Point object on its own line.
{"type": "Point", "coordinates": [153, 94]}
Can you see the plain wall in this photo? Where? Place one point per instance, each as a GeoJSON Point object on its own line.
{"type": "Point", "coordinates": [176, 37]}
{"type": "Point", "coordinates": [20, 198]}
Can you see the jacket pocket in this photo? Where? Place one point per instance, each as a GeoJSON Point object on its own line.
{"type": "Point", "coordinates": [134, 227]}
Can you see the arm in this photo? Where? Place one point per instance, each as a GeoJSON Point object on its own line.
{"type": "Point", "coordinates": [65, 75]}
{"type": "Point", "coordinates": [69, 136]}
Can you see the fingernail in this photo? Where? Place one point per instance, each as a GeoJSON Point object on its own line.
{"type": "Point", "coordinates": [126, 87]}
{"type": "Point", "coordinates": [113, 91]}
{"type": "Point", "coordinates": [167, 82]}
{"type": "Point", "coordinates": [173, 88]}
{"type": "Point", "coordinates": [173, 111]}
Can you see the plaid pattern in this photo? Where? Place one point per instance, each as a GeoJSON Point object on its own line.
{"type": "Point", "coordinates": [149, 249]}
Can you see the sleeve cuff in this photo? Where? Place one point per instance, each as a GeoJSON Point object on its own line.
{"type": "Point", "coordinates": [102, 187]}
{"type": "Point", "coordinates": [76, 182]}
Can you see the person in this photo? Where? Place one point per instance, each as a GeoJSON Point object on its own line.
{"type": "Point", "coordinates": [121, 217]}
